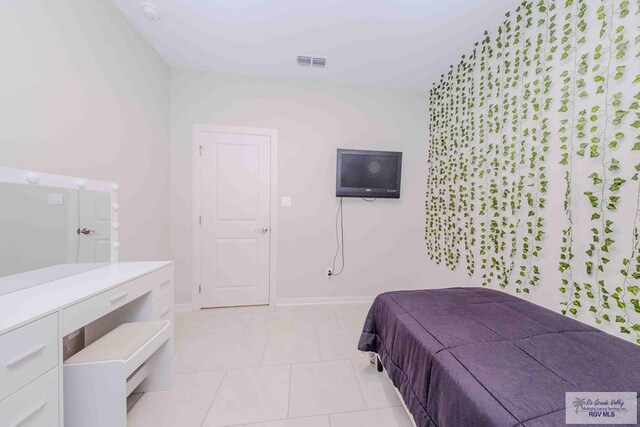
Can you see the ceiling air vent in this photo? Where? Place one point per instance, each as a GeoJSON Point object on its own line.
{"type": "Point", "coordinates": [312, 61]}
{"type": "Point", "coordinates": [304, 60]}
{"type": "Point", "coordinates": [319, 62]}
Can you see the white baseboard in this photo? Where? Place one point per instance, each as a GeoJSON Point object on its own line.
{"type": "Point", "coordinates": [183, 307]}
{"type": "Point", "coordinates": [289, 302]}
{"type": "Point", "coordinates": [285, 302]}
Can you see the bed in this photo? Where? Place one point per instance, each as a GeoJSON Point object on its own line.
{"type": "Point", "coordinates": [480, 357]}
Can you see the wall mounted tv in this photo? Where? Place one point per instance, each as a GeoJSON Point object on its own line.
{"type": "Point", "coordinates": [370, 174]}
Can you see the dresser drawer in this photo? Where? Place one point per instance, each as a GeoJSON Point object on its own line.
{"type": "Point", "coordinates": [85, 312]}
{"type": "Point", "coordinates": [27, 353]}
{"type": "Point", "coordinates": [35, 405]}
{"type": "Point", "coordinates": [164, 286]}
{"type": "Point", "coordinates": [163, 309]}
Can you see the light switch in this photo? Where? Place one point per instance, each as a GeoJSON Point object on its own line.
{"type": "Point", "coordinates": [285, 202]}
{"type": "Point", "coordinates": [56, 199]}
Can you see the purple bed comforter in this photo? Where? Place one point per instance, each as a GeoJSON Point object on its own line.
{"type": "Point", "coordinates": [479, 357]}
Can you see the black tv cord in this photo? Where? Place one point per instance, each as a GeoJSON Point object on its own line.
{"type": "Point", "coordinates": [339, 241]}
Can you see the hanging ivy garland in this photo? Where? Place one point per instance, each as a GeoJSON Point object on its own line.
{"type": "Point", "coordinates": [574, 38]}
{"type": "Point", "coordinates": [554, 77]}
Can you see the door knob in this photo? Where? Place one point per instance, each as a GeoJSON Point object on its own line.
{"type": "Point", "coordinates": [262, 230]}
{"type": "Point", "coordinates": [85, 231]}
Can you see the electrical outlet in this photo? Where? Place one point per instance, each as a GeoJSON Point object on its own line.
{"type": "Point", "coordinates": [329, 272]}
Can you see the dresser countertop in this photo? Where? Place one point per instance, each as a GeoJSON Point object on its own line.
{"type": "Point", "coordinates": [24, 306]}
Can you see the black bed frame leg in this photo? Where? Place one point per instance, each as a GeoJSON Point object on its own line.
{"type": "Point", "coordinates": [378, 364]}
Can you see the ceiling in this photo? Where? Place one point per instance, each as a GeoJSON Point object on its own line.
{"type": "Point", "coordinates": [402, 44]}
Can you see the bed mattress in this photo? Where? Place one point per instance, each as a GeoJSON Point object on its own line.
{"type": "Point", "coordinates": [480, 357]}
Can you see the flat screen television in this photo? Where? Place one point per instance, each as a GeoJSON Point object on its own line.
{"type": "Point", "coordinates": [370, 174]}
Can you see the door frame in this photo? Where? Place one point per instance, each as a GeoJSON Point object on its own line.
{"type": "Point", "coordinates": [198, 130]}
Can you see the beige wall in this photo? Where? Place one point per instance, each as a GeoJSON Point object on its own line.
{"type": "Point", "coordinates": [384, 240]}
{"type": "Point", "coordinates": [82, 93]}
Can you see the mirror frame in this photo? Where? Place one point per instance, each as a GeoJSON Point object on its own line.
{"type": "Point", "coordinates": [32, 178]}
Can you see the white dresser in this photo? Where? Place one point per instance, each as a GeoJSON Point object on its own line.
{"type": "Point", "coordinates": [34, 321]}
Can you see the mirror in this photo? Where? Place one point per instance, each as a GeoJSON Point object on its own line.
{"type": "Point", "coordinates": [49, 232]}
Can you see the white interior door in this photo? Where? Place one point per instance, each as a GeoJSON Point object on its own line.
{"type": "Point", "coordinates": [94, 216]}
{"type": "Point", "coordinates": [235, 220]}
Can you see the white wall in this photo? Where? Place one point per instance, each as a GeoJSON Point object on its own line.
{"type": "Point", "coordinates": [384, 240]}
{"type": "Point", "coordinates": [83, 94]}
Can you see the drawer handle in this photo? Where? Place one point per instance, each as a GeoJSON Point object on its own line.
{"type": "Point", "coordinates": [164, 313]}
{"type": "Point", "coordinates": [119, 298]}
{"type": "Point", "coordinates": [26, 356]}
{"type": "Point", "coordinates": [31, 413]}
{"type": "Point", "coordinates": [163, 284]}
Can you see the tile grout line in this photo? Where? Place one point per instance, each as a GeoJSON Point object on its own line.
{"type": "Point", "coordinates": [353, 368]}
{"type": "Point", "coordinates": [289, 397]}
{"type": "Point", "coordinates": [365, 409]}
{"type": "Point", "coordinates": [335, 316]}
{"type": "Point", "coordinates": [391, 408]}
{"type": "Point", "coordinates": [214, 398]}
{"type": "Point", "coordinates": [213, 341]}
{"type": "Point", "coordinates": [202, 322]}
{"type": "Point", "coordinates": [319, 346]}
{"type": "Point", "coordinates": [319, 352]}
{"type": "Point", "coordinates": [264, 349]}
{"type": "Point", "coordinates": [246, 327]}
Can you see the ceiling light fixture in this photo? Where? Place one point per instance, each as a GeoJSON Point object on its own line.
{"type": "Point", "coordinates": [150, 11]}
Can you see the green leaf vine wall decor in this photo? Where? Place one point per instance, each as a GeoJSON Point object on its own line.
{"type": "Point", "coordinates": [534, 153]}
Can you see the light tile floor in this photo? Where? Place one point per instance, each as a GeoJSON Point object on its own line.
{"type": "Point", "coordinates": [267, 367]}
